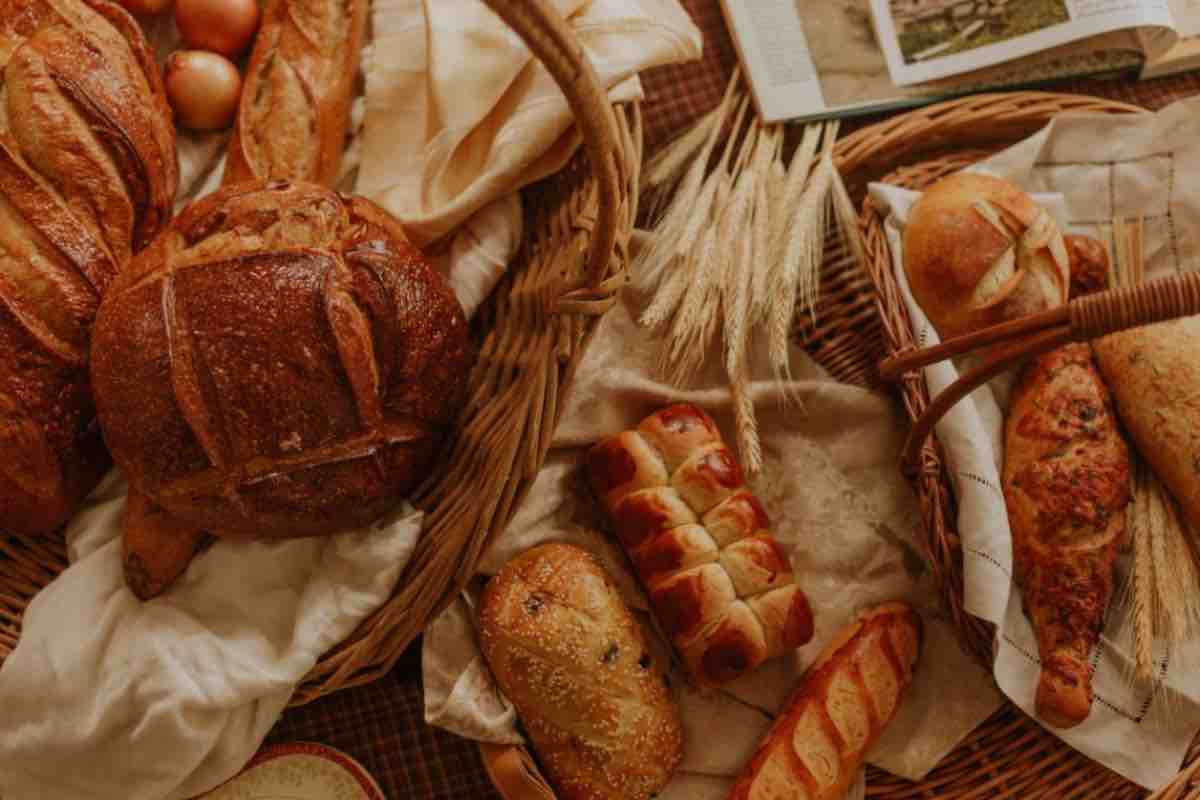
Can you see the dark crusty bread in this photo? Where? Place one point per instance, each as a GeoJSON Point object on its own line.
{"type": "Point", "coordinates": [720, 585]}
{"type": "Point", "coordinates": [280, 362]}
{"type": "Point", "coordinates": [87, 176]}
{"type": "Point", "coordinates": [574, 662]}
{"type": "Point", "coordinates": [839, 710]}
{"type": "Point", "coordinates": [295, 105]}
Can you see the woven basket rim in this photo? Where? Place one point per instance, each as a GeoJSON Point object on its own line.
{"type": "Point", "coordinates": [973, 124]}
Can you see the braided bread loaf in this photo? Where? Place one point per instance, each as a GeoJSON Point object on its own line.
{"type": "Point", "coordinates": [87, 176]}
{"type": "Point", "coordinates": [280, 362]}
{"type": "Point", "coordinates": [720, 585]}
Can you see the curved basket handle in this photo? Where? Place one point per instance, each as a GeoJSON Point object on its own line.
{"type": "Point", "coordinates": [546, 33]}
{"type": "Point", "coordinates": [1080, 320]}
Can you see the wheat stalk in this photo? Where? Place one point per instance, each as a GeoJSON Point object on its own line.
{"type": "Point", "coordinates": [800, 262]}
{"type": "Point", "coordinates": [652, 263]}
{"type": "Point", "coordinates": [666, 302]}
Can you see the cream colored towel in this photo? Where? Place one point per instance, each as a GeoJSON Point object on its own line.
{"type": "Point", "coordinates": [460, 114]}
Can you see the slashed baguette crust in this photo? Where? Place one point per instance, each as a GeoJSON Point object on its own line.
{"type": "Point", "coordinates": [1066, 485]}
{"type": "Point", "coordinates": [574, 662]}
{"type": "Point", "coordinates": [843, 703]}
{"type": "Point", "coordinates": [720, 585]}
{"type": "Point", "coordinates": [295, 107]}
{"type": "Point", "coordinates": [87, 177]}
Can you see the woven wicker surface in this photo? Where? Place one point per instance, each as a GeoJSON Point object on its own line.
{"type": "Point", "coordinates": [381, 724]}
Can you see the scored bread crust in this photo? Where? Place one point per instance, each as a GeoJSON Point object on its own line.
{"type": "Point", "coordinates": [720, 585]}
{"type": "Point", "coordinates": [838, 711]}
{"type": "Point", "coordinates": [281, 362]}
{"type": "Point", "coordinates": [295, 109]}
{"type": "Point", "coordinates": [569, 654]}
{"type": "Point", "coordinates": [1066, 487]}
{"type": "Point", "coordinates": [978, 251]}
{"type": "Point", "coordinates": [87, 177]}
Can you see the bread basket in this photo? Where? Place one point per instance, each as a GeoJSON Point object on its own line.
{"type": "Point", "coordinates": [530, 336]}
{"type": "Point", "coordinates": [861, 319]}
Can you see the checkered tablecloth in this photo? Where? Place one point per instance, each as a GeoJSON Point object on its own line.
{"type": "Point", "coordinates": [382, 725]}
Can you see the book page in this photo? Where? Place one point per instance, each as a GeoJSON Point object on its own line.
{"type": "Point", "coordinates": [926, 40]}
{"type": "Point", "coordinates": [774, 52]}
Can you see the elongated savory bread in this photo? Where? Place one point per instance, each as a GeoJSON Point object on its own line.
{"type": "Point", "coordinates": [87, 177]}
{"type": "Point", "coordinates": [843, 703]}
{"type": "Point", "coordinates": [720, 585]}
{"type": "Point", "coordinates": [1154, 373]}
{"type": "Point", "coordinates": [295, 107]}
{"type": "Point", "coordinates": [570, 656]}
{"type": "Point", "coordinates": [1066, 485]}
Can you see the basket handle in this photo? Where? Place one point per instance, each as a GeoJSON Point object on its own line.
{"type": "Point", "coordinates": [1080, 320]}
{"type": "Point", "coordinates": [549, 38]}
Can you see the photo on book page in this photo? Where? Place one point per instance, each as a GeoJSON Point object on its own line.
{"type": "Point", "coordinates": [925, 40]}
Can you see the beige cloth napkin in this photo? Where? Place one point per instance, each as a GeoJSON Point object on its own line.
{"type": "Point", "coordinates": [459, 113]}
{"type": "Point", "coordinates": [840, 508]}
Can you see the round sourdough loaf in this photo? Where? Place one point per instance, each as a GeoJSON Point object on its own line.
{"type": "Point", "coordinates": [978, 251]}
{"type": "Point", "coordinates": [280, 362]}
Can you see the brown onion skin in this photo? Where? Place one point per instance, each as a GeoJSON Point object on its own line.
{"type": "Point", "coordinates": [203, 88]}
{"type": "Point", "coordinates": [222, 26]}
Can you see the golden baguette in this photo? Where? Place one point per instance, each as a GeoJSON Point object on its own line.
{"type": "Point", "coordinates": [295, 106]}
{"type": "Point", "coordinates": [843, 703]}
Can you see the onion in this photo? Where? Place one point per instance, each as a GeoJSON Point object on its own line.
{"type": "Point", "coordinates": [222, 26]}
{"type": "Point", "coordinates": [145, 8]}
{"type": "Point", "coordinates": [204, 89]}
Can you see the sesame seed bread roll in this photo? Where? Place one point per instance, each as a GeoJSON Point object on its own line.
{"type": "Point", "coordinates": [837, 713]}
{"type": "Point", "coordinates": [569, 654]}
{"type": "Point", "coordinates": [720, 585]}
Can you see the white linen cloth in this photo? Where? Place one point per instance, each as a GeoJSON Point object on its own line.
{"type": "Point", "coordinates": [459, 113]}
{"type": "Point", "coordinates": [838, 506]}
{"type": "Point", "coordinates": [107, 697]}
{"type": "Point", "coordinates": [1097, 166]}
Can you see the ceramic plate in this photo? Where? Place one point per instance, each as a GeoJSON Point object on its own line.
{"type": "Point", "coordinates": [299, 771]}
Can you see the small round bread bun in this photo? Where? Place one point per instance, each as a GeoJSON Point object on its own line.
{"type": "Point", "coordinates": [978, 251]}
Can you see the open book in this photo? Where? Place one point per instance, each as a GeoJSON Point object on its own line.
{"type": "Point", "coordinates": [818, 58]}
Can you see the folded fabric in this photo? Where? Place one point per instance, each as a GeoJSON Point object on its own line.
{"type": "Point", "coordinates": [108, 698]}
{"type": "Point", "coordinates": [459, 113]}
{"type": "Point", "coordinates": [838, 507]}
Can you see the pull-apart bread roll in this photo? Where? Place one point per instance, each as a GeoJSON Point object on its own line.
{"type": "Point", "coordinates": [87, 177]}
{"type": "Point", "coordinates": [280, 362]}
{"type": "Point", "coordinates": [978, 251]}
{"type": "Point", "coordinates": [839, 710]}
{"type": "Point", "coordinates": [573, 660]}
{"type": "Point", "coordinates": [295, 106]}
{"type": "Point", "coordinates": [720, 585]}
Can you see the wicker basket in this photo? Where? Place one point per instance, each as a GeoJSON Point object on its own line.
{"type": "Point", "coordinates": [1010, 756]}
{"type": "Point", "coordinates": [860, 319]}
{"type": "Point", "coordinates": [530, 336]}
